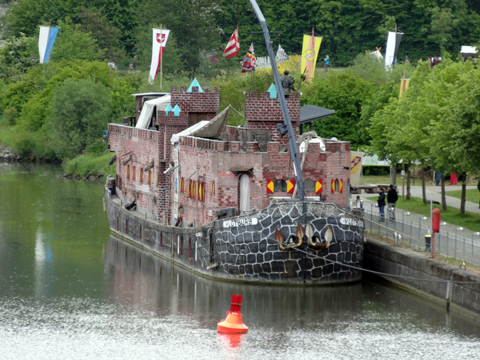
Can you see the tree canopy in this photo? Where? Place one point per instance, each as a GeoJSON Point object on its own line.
{"type": "Point", "coordinates": [122, 28]}
{"type": "Point", "coordinates": [80, 111]}
{"type": "Point", "coordinates": [345, 93]}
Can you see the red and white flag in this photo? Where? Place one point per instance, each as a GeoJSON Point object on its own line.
{"type": "Point", "coordinates": [233, 46]}
{"type": "Point", "coordinates": [160, 37]}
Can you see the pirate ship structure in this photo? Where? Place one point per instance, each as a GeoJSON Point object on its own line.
{"type": "Point", "coordinates": [231, 202]}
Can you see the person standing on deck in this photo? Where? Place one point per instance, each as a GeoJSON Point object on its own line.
{"type": "Point", "coordinates": [392, 198]}
{"type": "Point", "coordinates": [287, 83]}
{"type": "Point", "coordinates": [381, 204]}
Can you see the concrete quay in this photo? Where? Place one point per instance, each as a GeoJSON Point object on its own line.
{"type": "Point", "coordinates": [456, 288]}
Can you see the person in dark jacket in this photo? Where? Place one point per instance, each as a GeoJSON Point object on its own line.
{"type": "Point", "coordinates": [478, 187]}
{"type": "Point", "coordinates": [381, 204]}
{"type": "Point", "coordinates": [287, 83]}
{"type": "Point", "coordinates": [392, 198]}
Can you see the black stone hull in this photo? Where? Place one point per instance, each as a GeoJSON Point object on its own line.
{"type": "Point", "coordinates": [244, 248]}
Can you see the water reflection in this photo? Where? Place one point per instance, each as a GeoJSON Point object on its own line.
{"type": "Point", "coordinates": [290, 318]}
{"type": "Point", "coordinates": [139, 278]}
{"type": "Point", "coordinates": [68, 291]}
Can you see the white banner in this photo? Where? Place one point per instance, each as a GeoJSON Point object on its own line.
{"type": "Point", "coordinates": [393, 42]}
{"type": "Point", "coordinates": [46, 39]}
{"type": "Point", "coordinates": [159, 41]}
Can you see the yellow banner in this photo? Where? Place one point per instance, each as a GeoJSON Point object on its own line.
{"type": "Point", "coordinates": [356, 167]}
{"type": "Point", "coordinates": [404, 84]}
{"type": "Point", "coordinates": [311, 45]}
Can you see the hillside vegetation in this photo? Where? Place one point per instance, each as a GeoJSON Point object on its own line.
{"type": "Point", "coordinates": [58, 111]}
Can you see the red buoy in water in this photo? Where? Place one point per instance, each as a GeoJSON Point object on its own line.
{"type": "Point", "coordinates": [233, 324]}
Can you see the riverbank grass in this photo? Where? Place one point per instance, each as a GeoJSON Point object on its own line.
{"type": "Point", "coordinates": [90, 164]}
{"type": "Point", "coordinates": [29, 145]}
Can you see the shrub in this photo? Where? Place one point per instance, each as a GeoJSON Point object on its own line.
{"type": "Point", "coordinates": [86, 165]}
{"type": "Point", "coordinates": [80, 112]}
{"type": "Point", "coordinates": [11, 114]}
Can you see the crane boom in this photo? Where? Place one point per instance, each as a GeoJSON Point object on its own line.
{"type": "Point", "coordinates": [283, 104]}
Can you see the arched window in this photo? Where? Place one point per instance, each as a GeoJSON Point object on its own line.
{"type": "Point", "coordinates": [279, 185]}
{"type": "Point", "coordinates": [309, 186]}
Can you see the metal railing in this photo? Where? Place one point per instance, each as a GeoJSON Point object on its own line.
{"type": "Point", "coordinates": [407, 228]}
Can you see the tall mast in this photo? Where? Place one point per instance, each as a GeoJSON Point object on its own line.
{"type": "Point", "coordinates": [283, 104]}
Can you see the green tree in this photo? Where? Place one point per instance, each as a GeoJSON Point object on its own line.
{"type": "Point", "coordinates": [396, 130]}
{"type": "Point", "coordinates": [372, 70]}
{"type": "Point", "coordinates": [32, 96]}
{"type": "Point", "coordinates": [122, 103]}
{"type": "Point", "coordinates": [16, 57]}
{"type": "Point", "coordinates": [73, 44]}
{"type": "Point", "coordinates": [345, 93]}
{"type": "Point", "coordinates": [377, 102]}
{"type": "Point", "coordinates": [442, 24]}
{"type": "Point", "coordinates": [107, 36]}
{"type": "Point", "coordinates": [79, 113]}
{"type": "Point", "coordinates": [454, 119]}
{"type": "Point", "coordinates": [192, 26]}
{"type": "Point", "coordinates": [19, 92]}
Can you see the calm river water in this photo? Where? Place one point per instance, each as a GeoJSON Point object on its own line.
{"type": "Point", "coordinates": [69, 291]}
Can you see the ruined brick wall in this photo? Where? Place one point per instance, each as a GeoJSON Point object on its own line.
{"type": "Point", "coordinates": [214, 163]}
{"type": "Point", "coordinates": [212, 168]}
{"type": "Point", "coordinates": [207, 101]}
{"type": "Point", "coordinates": [264, 113]}
{"type": "Point", "coordinates": [136, 147]}
{"type": "Point", "coordinates": [198, 166]}
{"type": "Point", "coordinates": [336, 165]}
{"type": "Point", "coordinates": [332, 164]}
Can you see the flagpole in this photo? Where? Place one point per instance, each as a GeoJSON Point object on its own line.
{"type": "Point", "coordinates": [161, 57]}
{"type": "Point", "coordinates": [48, 41]}
{"type": "Point", "coordinates": [394, 45]}
{"type": "Point", "coordinates": [312, 74]}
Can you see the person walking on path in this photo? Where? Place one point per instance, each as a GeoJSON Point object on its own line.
{"type": "Point", "coordinates": [478, 187]}
{"type": "Point", "coordinates": [392, 198]}
{"type": "Point", "coordinates": [326, 62]}
{"type": "Point", "coordinates": [381, 204]}
{"type": "Point", "coordinates": [453, 179]}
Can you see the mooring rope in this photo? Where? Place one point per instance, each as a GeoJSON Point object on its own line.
{"type": "Point", "coordinates": [373, 271]}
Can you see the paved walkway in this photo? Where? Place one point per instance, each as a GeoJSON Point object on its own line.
{"type": "Point", "coordinates": [435, 193]}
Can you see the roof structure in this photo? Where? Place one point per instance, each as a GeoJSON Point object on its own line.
{"type": "Point", "coordinates": [151, 94]}
{"type": "Point", "coordinates": [310, 113]}
{"type": "Point", "coordinates": [468, 50]}
{"type": "Point", "coordinates": [159, 103]}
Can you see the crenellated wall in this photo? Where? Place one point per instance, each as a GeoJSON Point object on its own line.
{"type": "Point", "coordinates": [207, 101]}
{"type": "Point", "coordinates": [264, 113]}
